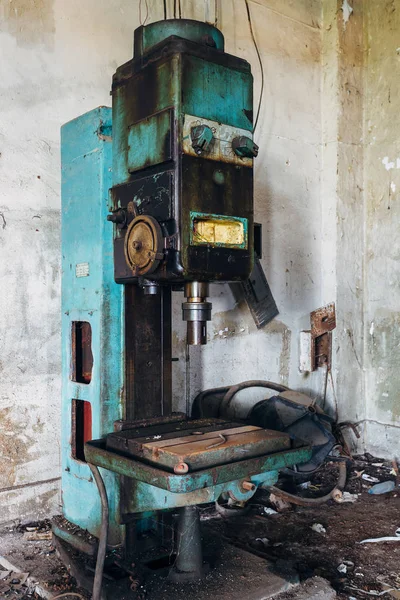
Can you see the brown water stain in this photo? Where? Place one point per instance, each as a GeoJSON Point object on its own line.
{"type": "Point", "coordinates": [29, 21]}
{"type": "Point", "coordinates": [384, 346]}
{"type": "Point", "coordinates": [15, 445]}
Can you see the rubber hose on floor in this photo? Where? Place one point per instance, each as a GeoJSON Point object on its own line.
{"type": "Point", "coordinates": [313, 501]}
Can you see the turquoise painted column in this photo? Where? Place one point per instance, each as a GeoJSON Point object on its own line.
{"type": "Point", "coordinates": [91, 303]}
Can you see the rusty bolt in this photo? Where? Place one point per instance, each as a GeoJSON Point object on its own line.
{"type": "Point", "coordinates": [181, 468]}
{"type": "Point", "coordinates": [248, 486]}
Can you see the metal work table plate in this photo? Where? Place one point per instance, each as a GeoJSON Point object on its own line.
{"type": "Point", "coordinates": [97, 454]}
{"type": "Point", "coordinates": [197, 444]}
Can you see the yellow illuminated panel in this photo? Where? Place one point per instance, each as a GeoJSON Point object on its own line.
{"type": "Point", "coordinates": [219, 231]}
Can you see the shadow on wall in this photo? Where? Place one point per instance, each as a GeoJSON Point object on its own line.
{"type": "Point", "coordinates": [236, 349]}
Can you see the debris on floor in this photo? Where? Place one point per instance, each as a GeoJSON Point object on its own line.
{"type": "Point", "coordinates": [315, 588]}
{"type": "Point", "coordinates": [29, 567]}
{"type": "Point", "coordinates": [321, 542]}
{"type": "Point", "coordinates": [352, 569]}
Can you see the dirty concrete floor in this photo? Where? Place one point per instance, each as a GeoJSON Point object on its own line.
{"type": "Point", "coordinates": [38, 559]}
{"type": "Point", "coordinates": [284, 536]}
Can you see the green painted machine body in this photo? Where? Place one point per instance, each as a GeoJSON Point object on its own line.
{"type": "Point", "coordinates": [167, 153]}
{"type": "Point", "coordinates": [172, 86]}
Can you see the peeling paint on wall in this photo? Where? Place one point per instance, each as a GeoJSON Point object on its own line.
{"type": "Point", "coordinates": [346, 10]}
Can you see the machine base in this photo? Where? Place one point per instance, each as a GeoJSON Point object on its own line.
{"type": "Point", "coordinates": [232, 573]}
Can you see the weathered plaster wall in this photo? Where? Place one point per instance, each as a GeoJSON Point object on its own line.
{"type": "Point", "coordinates": [57, 60]}
{"type": "Point", "coordinates": [342, 202]}
{"type": "Point", "coordinates": [327, 179]}
{"type": "Point", "coordinates": [382, 216]}
{"type": "Point", "coordinates": [287, 203]}
{"type": "Point", "coordinates": [360, 182]}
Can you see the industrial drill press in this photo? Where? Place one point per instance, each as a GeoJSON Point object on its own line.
{"type": "Point", "coordinates": [157, 196]}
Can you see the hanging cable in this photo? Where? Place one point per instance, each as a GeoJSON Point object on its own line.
{"type": "Point", "coordinates": [165, 9]}
{"type": "Point", "coordinates": [174, 9]}
{"type": "Point", "coordinates": [180, 9]}
{"type": "Point", "coordinates": [260, 61]}
{"type": "Point", "coordinates": [140, 12]}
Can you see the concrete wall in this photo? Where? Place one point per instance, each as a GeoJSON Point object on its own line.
{"type": "Point", "coordinates": [326, 194]}
{"type": "Point", "coordinates": [361, 183]}
{"type": "Point", "coordinates": [382, 215]}
{"type": "Point", "coordinates": [57, 60]}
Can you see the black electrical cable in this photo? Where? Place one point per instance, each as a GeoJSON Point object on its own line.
{"type": "Point", "coordinates": [174, 9]}
{"type": "Point", "coordinates": [180, 9]}
{"type": "Point", "coordinates": [260, 61]}
{"type": "Point", "coordinates": [165, 9]}
{"type": "Point", "coordinates": [101, 552]}
{"type": "Point", "coordinates": [227, 399]}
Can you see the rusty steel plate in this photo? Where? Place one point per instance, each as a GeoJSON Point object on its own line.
{"type": "Point", "coordinates": [198, 446]}
{"type": "Point", "coordinates": [323, 319]}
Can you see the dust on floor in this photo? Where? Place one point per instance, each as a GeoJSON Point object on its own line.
{"type": "Point", "coordinates": [288, 536]}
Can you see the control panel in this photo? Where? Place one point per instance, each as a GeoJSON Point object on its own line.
{"type": "Point", "coordinates": [216, 141]}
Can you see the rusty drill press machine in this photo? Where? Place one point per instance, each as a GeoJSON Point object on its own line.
{"type": "Point", "coordinates": [157, 196]}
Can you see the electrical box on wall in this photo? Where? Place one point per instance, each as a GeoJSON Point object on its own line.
{"type": "Point", "coordinates": [316, 343]}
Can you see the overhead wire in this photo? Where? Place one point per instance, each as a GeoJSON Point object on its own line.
{"type": "Point", "coordinates": [140, 12]}
{"type": "Point", "coordinates": [260, 61]}
{"type": "Point", "coordinates": [165, 9]}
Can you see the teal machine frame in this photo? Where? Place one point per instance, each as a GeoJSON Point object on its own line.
{"type": "Point", "coordinates": [97, 380]}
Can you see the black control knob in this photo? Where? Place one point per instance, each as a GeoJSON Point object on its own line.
{"type": "Point", "coordinates": [244, 147]}
{"type": "Point", "coordinates": [201, 136]}
{"type": "Point", "coordinates": [118, 217]}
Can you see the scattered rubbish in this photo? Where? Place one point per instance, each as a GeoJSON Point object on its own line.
{"type": "Point", "coordinates": [270, 511]}
{"type": "Point", "coordinates": [36, 536]}
{"type": "Point", "coordinates": [345, 497]}
{"type": "Point", "coordinates": [382, 488]}
{"type": "Point", "coordinates": [305, 485]}
{"type": "Point", "coordinates": [377, 464]}
{"type": "Point", "coordinates": [395, 538]}
{"type": "Point", "coordinates": [369, 478]}
{"type": "Point", "coordinates": [279, 504]}
{"type": "Point", "coordinates": [264, 541]}
{"type": "Point", "coordinates": [394, 593]}
{"type": "Point", "coordinates": [346, 566]}
{"type": "Point", "coordinates": [318, 528]}
{"type": "Point", "coordinates": [371, 592]}
{"type": "Point", "coordinates": [11, 580]}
